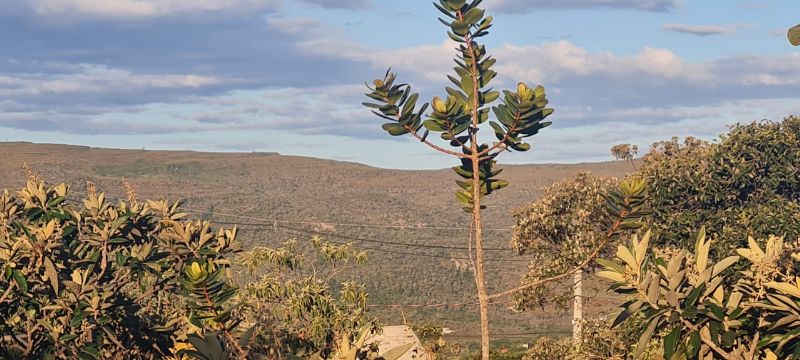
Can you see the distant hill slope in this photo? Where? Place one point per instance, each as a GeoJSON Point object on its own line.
{"type": "Point", "coordinates": [308, 190]}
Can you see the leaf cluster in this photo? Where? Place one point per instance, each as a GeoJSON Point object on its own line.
{"type": "Point", "coordinates": [457, 116]}
{"type": "Point", "coordinates": [686, 300]}
{"type": "Point", "coordinates": [745, 184]}
{"type": "Point", "coordinates": [97, 279]}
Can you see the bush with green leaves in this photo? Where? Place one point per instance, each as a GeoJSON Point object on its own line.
{"type": "Point", "coordinates": [93, 278]}
{"type": "Point", "coordinates": [686, 302]}
{"type": "Point", "coordinates": [600, 341]}
{"type": "Point", "coordinates": [100, 278]}
{"type": "Point", "coordinates": [304, 308]}
{"type": "Point", "coordinates": [746, 184]}
{"type": "Point", "coordinates": [560, 230]}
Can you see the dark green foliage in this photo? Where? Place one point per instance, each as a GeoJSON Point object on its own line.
{"type": "Point", "coordinates": [98, 279]}
{"type": "Point", "coordinates": [746, 184]}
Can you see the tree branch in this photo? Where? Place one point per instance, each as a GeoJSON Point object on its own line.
{"type": "Point", "coordinates": [432, 145]}
{"type": "Point", "coordinates": [7, 292]}
{"type": "Point", "coordinates": [580, 266]}
{"type": "Point", "coordinates": [501, 142]}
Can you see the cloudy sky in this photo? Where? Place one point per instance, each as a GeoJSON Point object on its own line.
{"type": "Point", "coordinates": [287, 75]}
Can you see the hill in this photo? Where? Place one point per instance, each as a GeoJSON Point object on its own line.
{"type": "Point", "coordinates": [277, 197]}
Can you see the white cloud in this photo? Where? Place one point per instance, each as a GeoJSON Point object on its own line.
{"type": "Point", "coordinates": [295, 25]}
{"type": "Point", "coordinates": [96, 79]}
{"type": "Point", "coordinates": [144, 8]}
{"type": "Point", "coordinates": [646, 125]}
{"type": "Point", "coordinates": [552, 61]}
{"type": "Point", "coordinates": [342, 4]}
{"type": "Point", "coordinates": [527, 6]}
{"type": "Point", "coordinates": [704, 30]}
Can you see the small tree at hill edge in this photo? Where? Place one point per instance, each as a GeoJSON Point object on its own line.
{"type": "Point", "coordinates": [457, 118]}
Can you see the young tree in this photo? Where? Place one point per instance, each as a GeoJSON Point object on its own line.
{"type": "Point", "coordinates": [457, 118]}
{"type": "Point", "coordinates": [624, 151]}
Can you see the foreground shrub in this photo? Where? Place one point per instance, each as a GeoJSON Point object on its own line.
{"type": "Point", "coordinates": [92, 278]}
{"type": "Point", "coordinates": [599, 341]}
{"type": "Point", "coordinates": [101, 279]}
{"type": "Point", "coordinates": [685, 300]}
{"type": "Point", "coordinates": [303, 309]}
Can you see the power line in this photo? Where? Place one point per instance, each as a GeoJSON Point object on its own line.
{"type": "Point", "coordinates": [511, 335]}
{"type": "Point", "coordinates": [364, 225]}
{"type": "Point", "coordinates": [275, 225]}
{"type": "Point", "coordinates": [348, 237]}
{"type": "Point", "coordinates": [404, 227]}
{"type": "Point", "coordinates": [384, 250]}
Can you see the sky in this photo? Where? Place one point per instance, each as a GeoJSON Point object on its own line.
{"type": "Point", "coordinates": [288, 76]}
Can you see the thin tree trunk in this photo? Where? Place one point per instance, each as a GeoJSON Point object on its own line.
{"type": "Point", "coordinates": [577, 309]}
{"type": "Point", "coordinates": [480, 281]}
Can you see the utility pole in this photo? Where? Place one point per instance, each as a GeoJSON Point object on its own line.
{"type": "Point", "coordinates": [577, 307]}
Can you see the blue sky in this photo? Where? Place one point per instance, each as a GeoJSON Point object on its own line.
{"type": "Point", "coordinates": [287, 75]}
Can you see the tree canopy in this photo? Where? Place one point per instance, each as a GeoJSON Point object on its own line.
{"type": "Point", "coordinates": [745, 184]}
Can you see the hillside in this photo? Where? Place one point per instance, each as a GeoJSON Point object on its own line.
{"type": "Point", "coordinates": [308, 194]}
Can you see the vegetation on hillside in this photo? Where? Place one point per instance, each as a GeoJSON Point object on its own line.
{"type": "Point", "coordinates": [746, 184]}
{"type": "Point", "coordinates": [92, 278]}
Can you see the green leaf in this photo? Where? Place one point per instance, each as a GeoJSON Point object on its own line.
{"type": "Point", "coordinates": [724, 264]}
{"type": "Point", "coordinates": [434, 125]}
{"type": "Point", "coordinates": [90, 352]}
{"type": "Point", "coordinates": [521, 146]}
{"type": "Point", "coordinates": [671, 342]}
{"type": "Point", "coordinates": [394, 129]}
{"type": "Point", "coordinates": [397, 352]}
{"type": "Point", "coordinates": [645, 337]}
{"type": "Point", "coordinates": [785, 288]}
{"type": "Point", "coordinates": [473, 16]}
{"type": "Point", "coordinates": [459, 27]}
{"type": "Point", "coordinates": [444, 11]}
{"type": "Point", "coordinates": [411, 102]}
{"type": "Point", "coordinates": [464, 197]}
{"type": "Point", "coordinates": [491, 96]}
{"type": "Point", "coordinates": [67, 337]}
{"type": "Point", "coordinates": [20, 279]}
{"type": "Point", "coordinates": [631, 308]}
{"type": "Point", "coordinates": [497, 128]}
{"type": "Point", "coordinates": [52, 274]}
{"type": "Point", "coordinates": [454, 5]}
{"type": "Point", "coordinates": [794, 35]}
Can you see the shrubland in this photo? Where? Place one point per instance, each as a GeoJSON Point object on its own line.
{"type": "Point", "coordinates": [93, 278]}
{"type": "Point", "coordinates": [735, 200]}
